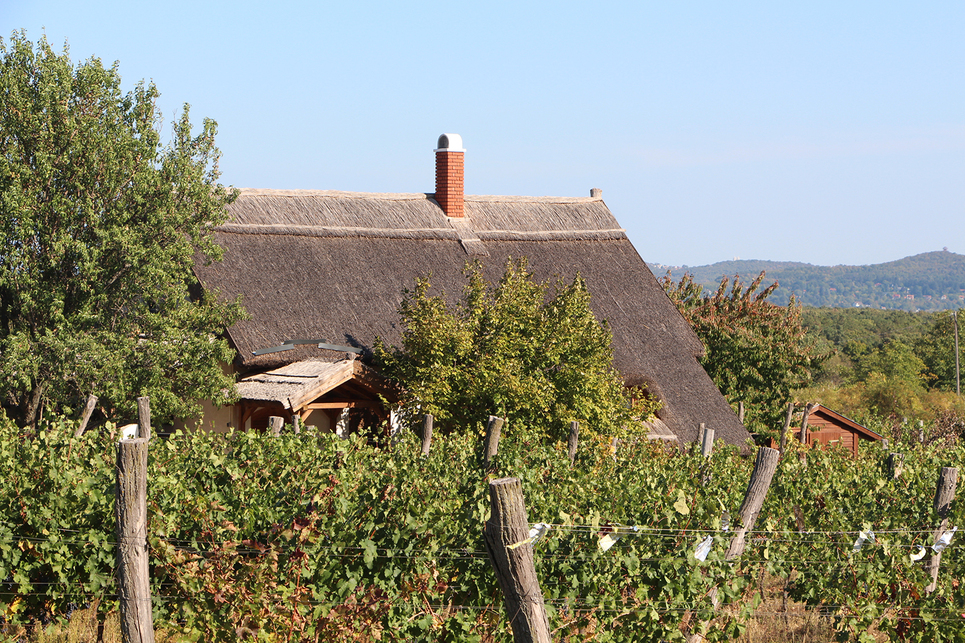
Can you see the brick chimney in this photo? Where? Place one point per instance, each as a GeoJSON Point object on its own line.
{"type": "Point", "coordinates": [449, 175]}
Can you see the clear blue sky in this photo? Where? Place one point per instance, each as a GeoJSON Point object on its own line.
{"type": "Point", "coordinates": [825, 132]}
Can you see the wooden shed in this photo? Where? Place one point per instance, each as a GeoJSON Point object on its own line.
{"type": "Point", "coordinates": [827, 428]}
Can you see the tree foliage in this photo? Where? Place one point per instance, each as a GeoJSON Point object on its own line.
{"type": "Point", "coordinates": [891, 369]}
{"type": "Point", "coordinates": [756, 352]}
{"type": "Point", "coordinates": [101, 224]}
{"type": "Point", "coordinates": [927, 281]}
{"type": "Point", "coordinates": [510, 349]}
{"type": "Point", "coordinates": [936, 347]}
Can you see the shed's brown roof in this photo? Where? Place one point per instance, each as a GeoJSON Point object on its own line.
{"type": "Point", "coordinates": [333, 265]}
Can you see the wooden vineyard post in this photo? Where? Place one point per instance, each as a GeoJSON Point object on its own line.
{"type": "Point", "coordinates": [896, 463]}
{"type": "Point", "coordinates": [85, 417]}
{"type": "Point", "coordinates": [706, 441]}
{"type": "Point", "coordinates": [275, 423]}
{"type": "Point", "coordinates": [426, 434]}
{"type": "Point", "coordinates": [804, 423]}
{"type": "Point", "coordinates": [503, 532]}
{"type": "Point", "coordinates": [760, 482]}
{"type": "Point", "coordinates": [787, 425]}
{"type": "Point", "coordinates": [764, 468]}
{"type": "Point", "coordinates": [134, 588]}
{"type": "Point", "coordinates": [493, 428]}
{"type": "Point", "coordinates": [706, 449]}
{"type": "Point", "coordinates": [944, 494]}
{"type": "Point", "coordinates": [144, 417]}
{"type": "Point", "coordinates": [573, 441]}
{"type": "Point", "coordinates": [740, 411]}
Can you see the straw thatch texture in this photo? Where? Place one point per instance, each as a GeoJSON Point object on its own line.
{"type": "Point", "coordinates": [303, 274]}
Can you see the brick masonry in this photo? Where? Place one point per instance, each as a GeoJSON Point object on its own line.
{"type": "Point", "coordinates": [449, 182]}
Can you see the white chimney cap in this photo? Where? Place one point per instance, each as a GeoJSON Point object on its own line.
{"type": "Point", "coordinates": [450, 143]}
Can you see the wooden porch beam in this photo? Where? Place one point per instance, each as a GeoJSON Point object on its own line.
{"type": "Point", "coordinates": [343, 404]}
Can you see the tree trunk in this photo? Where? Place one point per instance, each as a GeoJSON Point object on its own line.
{"type": "Point", "coordinates": [31, 406]}
{"type": "Point", "coordinates": [573, 441]}
{"type": "Point", "coordinates": [426, 433]}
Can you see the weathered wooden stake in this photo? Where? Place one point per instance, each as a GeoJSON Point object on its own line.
{"type": "Point", "coordinates": [760, 482]}
{"type": "Point", "coordinates": [505, 529]}
{"type": "Point", "coordinates": [426, 434]}
{"type": "Point", "coordinates": [85, 417]}
{"type": "Point", "coordinates": [493, 427]}
{"type": "Point", "coordinates": [944, 494]}
{"type": "Point", "coordinates": [787, 425]}
{"type": "Point", "coordinates": [804, 423]}
{"type": "Point", "coordinates": [573, 440]}
{"type": "Point", "coordinates": [144, 417]}
{"type": "Point", "coordinates": [134, 587]}
{"type": "Point", "coordinates": [896, 464]}
{"type": "Point", "coordinates": [740, 411]}
{"type": "Point", "coordinates": [296, 424]}
{"type": "Point", "coordinates": [275, 423]}
{"type": "Point", "coordinates": [706, 441]}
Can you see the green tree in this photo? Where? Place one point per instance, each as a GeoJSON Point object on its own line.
{"type": "Point", "coordinates": [756, 352]}
{"type": "Point", "coordinates": [894, 359]}
{"type": "Point", "coordinates": [101, 224]}
{"type": "Point", "coordinates": [936, 347]}
{"type": "Point", "coordinates": [510, 349]}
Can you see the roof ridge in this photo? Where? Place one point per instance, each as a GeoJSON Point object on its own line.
{"type": "Point", "coordinates": [334, 194]}
{"type": "Point", "coordinates": [413, 196]}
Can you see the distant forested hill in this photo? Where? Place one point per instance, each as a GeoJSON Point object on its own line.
{"type": "Point", "coordinates": [929, 281]}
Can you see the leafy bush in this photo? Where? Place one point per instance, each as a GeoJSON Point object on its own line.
{"type": "Point", "coordinates": [511, 349]}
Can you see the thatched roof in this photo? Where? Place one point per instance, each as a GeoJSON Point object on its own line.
{"type": "Point", "coordinates": [333, 265]}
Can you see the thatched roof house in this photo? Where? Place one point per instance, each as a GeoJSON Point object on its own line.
{"type": "Point", "coordinates": [332, 265]}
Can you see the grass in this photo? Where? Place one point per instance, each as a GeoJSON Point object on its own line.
{"type": "Point", "coordinates": [777, 621]}
{"type": "Point", "coordinates": [82, 628]}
